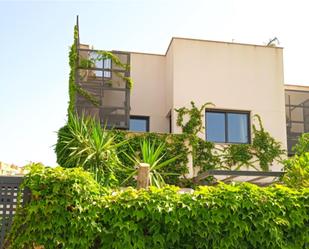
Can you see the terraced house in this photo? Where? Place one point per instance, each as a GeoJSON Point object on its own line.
{"type": "Point", "coordinates": [239, 79]}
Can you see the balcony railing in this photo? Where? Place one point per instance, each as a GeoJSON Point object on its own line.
{"type": "Point", "coordinates": [105, 80]}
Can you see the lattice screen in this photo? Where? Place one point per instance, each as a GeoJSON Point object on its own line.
{"type": "Point", "coordinates": [9, 187]}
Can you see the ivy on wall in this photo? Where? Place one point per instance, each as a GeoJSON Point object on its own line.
{"type": "Point", "coordinates": [263, 150]}
{"type": "Point", "coordinates": [72, 61]}
{"type": "Point", "coordinates": [73, 87]}
{"type": "Point", "coordinates": [194, 125]}
{"type": "Point", "coordinates": [264, 147]}
{"type": "Point", "coordinates": [102, 55]}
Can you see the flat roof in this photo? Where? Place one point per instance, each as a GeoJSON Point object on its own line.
{"type": "Point", "coordinates": [202, 40]}
{"type": "Point", "coordinates": [214, 41]}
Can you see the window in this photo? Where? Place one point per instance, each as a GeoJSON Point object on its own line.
{"type": "Point", "coordinates": [139, 123]}
{"type": "Point", "coordinates": [227, 127]}
{"type": "Point", "coordinates": [107, 65]}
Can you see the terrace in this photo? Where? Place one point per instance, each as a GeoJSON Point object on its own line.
{"type": "Point", "coordinates": [105, 82]}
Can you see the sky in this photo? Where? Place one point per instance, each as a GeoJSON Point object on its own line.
{"type": "Point", "coordinates": [35, 37]}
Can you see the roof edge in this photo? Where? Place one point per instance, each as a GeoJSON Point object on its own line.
{"type": "Point", "coordinates": [215, 41]}
{"type": "Point", "coordinates": [296, 87]}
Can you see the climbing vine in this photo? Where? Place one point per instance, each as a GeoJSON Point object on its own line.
{"type": "Point", "coordinates": [102, 55]}
{"type": "Point", "coordinates": [194, 125]}
{"type": "Point", "coordinates": [262, 152]}
{"type": "Point", "coordinates": [302, 145]}
{"type": "Point", "coordinates": [264, 146]}
{"type": "Point", "coordinates": [87, 63]}
{"type": "Point", "coordinates": [72, 62]}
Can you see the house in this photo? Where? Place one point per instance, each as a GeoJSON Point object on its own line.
{"type": "Point", "coordinates": [11, 170]}
{"type": "Point", "coordinates": [240, 80]}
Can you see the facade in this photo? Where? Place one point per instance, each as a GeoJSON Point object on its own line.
{"type": "Point", "coordinates": [241, 80]}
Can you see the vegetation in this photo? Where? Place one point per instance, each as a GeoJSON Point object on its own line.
{"type": "Point", "coordinates": [70, 210]}
{"type": "Point", "coordinates": [194, 115]}
{"type": "Point", "coordinates": [83, 143]}
{"type": "Point", "coordinates": [297, 167]}
{"type": "Point", "coordinates": [102, 55]}
{"type": "Point", "coordinates": [61, 212]}
{"type": "Point", "coordinates": [264, 147]}
{"type": "Point", "coordinates": [263, 150]}
{"type": "Point", "coordinates": [302, 145]}
{"type": "Point", "coordinates": [174, 151]}
{"type": "Point", "coordinates": [152, 153]}
{"type": "Point", "coordinates": [72, 61]}
{"type": "Point", "coordinates": [297, 171]}
{"type": "Point", "coordinates": [111, 156]}
{"type": "Point", "coordinates": [75, 62]}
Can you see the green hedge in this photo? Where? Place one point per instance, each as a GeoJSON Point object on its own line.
{"type": "Point", "coordinates": [70, 210]}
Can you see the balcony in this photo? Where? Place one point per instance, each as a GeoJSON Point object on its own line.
{"type": "Point", "coordinates": [297, 116]}
{"type": "Point", "coordinates": [104, 77]}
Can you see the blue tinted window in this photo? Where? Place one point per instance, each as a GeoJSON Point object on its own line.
{"type": "Point", "coordinates": [237, 128]}
{"type": "Point", "coordinates": [227, 127]}
{"type": "Point", "coordinates": [139, 124]}
{"type": "Point", "coordinates": [215, 127]}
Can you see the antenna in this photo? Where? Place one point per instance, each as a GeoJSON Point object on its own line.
{"type": "Point", "coordinates": [271, 42]}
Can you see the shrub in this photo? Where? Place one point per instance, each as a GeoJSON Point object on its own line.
{"type": "Point", "coordinates": [297, 171]}
{"type": "Point", "coordinates": [302, 145]}
{"type": "Point", "coordinates": [175, 147]}
{"type": "Point", "coordinates": [62, 212]}
{"type": "Point", "coordinates": [83, 142]}
{"type": "Point", "coordinates": [152, 153]}
{"type": "Point", "coordinates": [243, 216]}
{"type": "Point", "coordinates": [70, 210]}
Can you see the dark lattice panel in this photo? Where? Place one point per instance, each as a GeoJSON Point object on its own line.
{"type": "Point", "coordinates": [297, 116]}
{"type": "Point", "coordinates": [9, 187]}
{"type": "Point", "coordinates": [105, 81]}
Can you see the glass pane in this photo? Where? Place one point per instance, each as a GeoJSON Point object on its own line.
{"type": "Point", "coordinates": [138, 124]}
{"type": "Point", "coordinates": [237, 128]}
{"type": "Point", "coordinates": [215, 127]}
{"type": "Point", "coordinates": [107, 65]}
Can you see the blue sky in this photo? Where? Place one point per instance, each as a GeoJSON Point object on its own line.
{"type": "Point", "coordinates": [35, 37]}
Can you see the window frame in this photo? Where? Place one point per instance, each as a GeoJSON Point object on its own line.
{"type": "Point", "coordinates": [226, 112]}
{"type": "Point", "coordinates": [140, 117]}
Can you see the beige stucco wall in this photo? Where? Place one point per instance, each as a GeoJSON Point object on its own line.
{"type": "Point", "coordinates": [148, 96]}
{"type": "Point", "coordinates": [232, 76]}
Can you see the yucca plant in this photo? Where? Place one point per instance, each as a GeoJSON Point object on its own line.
{"type": "Point", "coordinates": [153, 154]}
{"type": "Point", "coordinates": [83, 142]}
